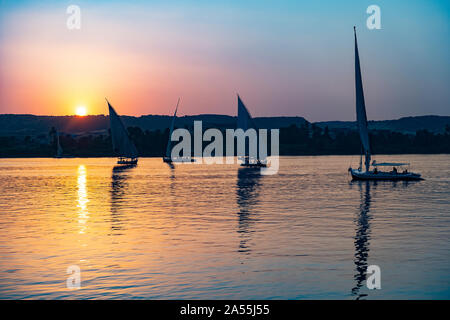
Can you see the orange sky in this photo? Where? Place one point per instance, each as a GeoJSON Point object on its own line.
{"type": "Point", "coordinates": [285, 58]}
{"type": "Point", "coordinates": [52, 70]}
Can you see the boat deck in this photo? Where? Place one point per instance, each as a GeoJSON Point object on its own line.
{"type": "Point", "coordinates": [370, 175]}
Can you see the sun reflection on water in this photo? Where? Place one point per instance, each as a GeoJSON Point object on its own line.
{"type": "Point", "coordinates": [83, 214]}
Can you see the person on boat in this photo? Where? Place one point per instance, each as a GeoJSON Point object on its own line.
{"type": "Point", "coordinates": [405, 171]}
{"type": "Point", "coordinates": [375, 171]}
{"type": "Point", "coordinates": [394, 170]}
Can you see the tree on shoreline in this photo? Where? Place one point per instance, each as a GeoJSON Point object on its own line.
{"type": "Point", "coordinates": [308, 139]}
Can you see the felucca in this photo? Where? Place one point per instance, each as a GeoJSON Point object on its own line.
{"type": "Point", "coordinates": [168, 157]}
{"type": "Point", "coordinates": [122, 144]}
{"type": "Point", "coordinates": [59, 150]}
{"type": "Point", "coordinates": [361, 120]}
{"type": "Point", "coordinates": [245, 122]}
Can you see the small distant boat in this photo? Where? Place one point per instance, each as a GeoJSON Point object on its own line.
{"type": "Point", "coordinates": [122, 144]}
{"type": "Point", "coordinates": [59, 150]}
{"type": "Point", "coordinates": [245, 122]}
{"type": "Point", "coordinates": [361, 119]}
{"type": "Point", "coordinates": [168, 157]}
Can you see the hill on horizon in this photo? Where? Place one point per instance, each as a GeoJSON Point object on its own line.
{"type": "Point", "coordinates": [27, 124]}
{"type": "Point", "coordinates": [408, 125]}
{"type": "Point", "coordinates": [14, 124]}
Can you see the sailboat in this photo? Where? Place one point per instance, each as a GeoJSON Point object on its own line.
{"type": "Point", "coordinates": [59, 150]}
{"type": "Point", "coordinates": [122, 145]}
{"type": "Point", "coordinates": [245, 122]}
{"type": "Point", "coordinates": [361, 119]}
{"type": "Point", "coordinates": [168, 157]}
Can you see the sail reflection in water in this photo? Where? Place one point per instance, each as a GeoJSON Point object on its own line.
{"type": "Point", "coordinates": [363, 231]}
{"type": "Point", "coordinates": [83, 214]}
{"type": "Point", "coordinates": [119, 186]}
{"type": "Point", "coordinates": [247, 190]}
{"type": "Point", "coordinates": [362, 238]}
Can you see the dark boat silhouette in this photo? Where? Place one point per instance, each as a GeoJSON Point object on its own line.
{"type": "Point", "coordinates": [361, 120]}
{"type": "Point", "coordinates": [122, 144]}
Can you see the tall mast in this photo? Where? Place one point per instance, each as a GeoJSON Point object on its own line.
{"type": "Point", "coordinates": [361, 117]}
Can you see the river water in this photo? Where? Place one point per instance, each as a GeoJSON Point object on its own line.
{"type": "Point", "coordinates": [202, 231]}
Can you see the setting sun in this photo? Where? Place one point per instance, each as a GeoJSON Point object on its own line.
{"type": "Point", "coordinates": [81, 111]}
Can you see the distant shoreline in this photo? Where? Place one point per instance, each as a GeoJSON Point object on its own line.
{"type": "Point", "coordinates": [290, 155]}
{"type": "Point", "coordinates": [33, 137]}
{"type": "Point", "coordinates": [23, 125]}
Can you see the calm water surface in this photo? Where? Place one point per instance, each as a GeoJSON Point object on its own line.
{"type": "Point", "coordinates": [219, 231]}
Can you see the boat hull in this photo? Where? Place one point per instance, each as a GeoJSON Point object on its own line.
{"type": "Point", "coordinates": [126, 161]}
{"type": "Point", "coordinates": [359, 175]}
{"type": "Point", "coordinates": [178, 160]}
{"type": "Point", "coordinates": [254, 165]}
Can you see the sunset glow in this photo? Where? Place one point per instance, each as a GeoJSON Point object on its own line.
{"type": "Point", "coordinates": [145, 56]}
{"type": "Point", "coordinates": [81, 111]}
{"type": "Point", "coordinates": [225, 159]}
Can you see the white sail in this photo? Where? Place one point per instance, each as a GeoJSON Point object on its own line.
{"type": "Point", "coordinates": [361, 117]}
{"type": "Point", "coordinates": [122, 144]}
{"type": "Point", "coordinates": [59, 150]}
{"type": "Point", "coordinates": [245, 120]}
{"type": "Point", "coordinates": [169, 143]}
